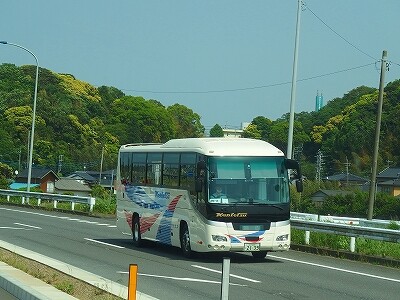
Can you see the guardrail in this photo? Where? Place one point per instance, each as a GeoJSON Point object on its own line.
{"type": "Point", "coordinates": [25, 196]}
{"type": "Point", "coordinates": [345, 226]}
{"type": "Point", "coordinates": [376, 223]}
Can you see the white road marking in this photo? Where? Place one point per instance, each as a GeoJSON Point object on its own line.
{"type": "Point", "coordinates": [181, 279]}
{"type": "Point", "coordinates": [94, 241]}
{"type": "Point", "coordinates": [60, 217]}
{"type": "Point", "coordinates": [336, 269]}
{"type": "Point", "coordinates": [7, 227]}
{"type": "Point", "coordinates": [26, 225]}
{"type": "Point", "coordinates": [220, 272]}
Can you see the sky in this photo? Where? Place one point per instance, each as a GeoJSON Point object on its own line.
{"type": "Point", "coordinates": [227, 60]}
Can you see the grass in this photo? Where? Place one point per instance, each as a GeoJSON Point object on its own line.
{"type": "Point", "coordinates": [68, 284]}
{"type": "Point", "coordinates": [337, 242]}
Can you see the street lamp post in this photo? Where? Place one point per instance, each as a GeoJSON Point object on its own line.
{"type": "Point", "coordinates": [33, 112]}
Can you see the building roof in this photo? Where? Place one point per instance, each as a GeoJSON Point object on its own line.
{"type": "Point", "coordinates": [333, 192]}
{"type": "Point", "coordinates": [346, 177]}
{"type": "Point", "coordinates": [389, 173]}
{"type": "Point", "coordinates": [82, 175]}
{"type": "Point", "coordinates": [36, 173]}
{"type": "Point", "coordinates": [69, 184]}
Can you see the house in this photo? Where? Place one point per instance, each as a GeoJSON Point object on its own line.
{"type": "Point", "coordinates": [319, 197]}
{"type": "Point", "coordinates": [105, 178]}
{"type": "Point", "coordinates": [388, 181]}
{"type": "Point", "coordinates": [71, 187]}
{"type": "Point", "coordinates": [348, 179]}
{"type": "Point", "coordinates": [391, 187]}
{"type": "Point", "coordinates": [83, 177]}
{"type": "Point", "coordinates": [388, 174]}
{"type": "Point", "coordinates": [42, 178]}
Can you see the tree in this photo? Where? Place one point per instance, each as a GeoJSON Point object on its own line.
{"type": "Point", "coordinates": [186, 122]}
{"type": "Point", "coordinates": [252, 132]}
{"type": "Point", "coordinates": [5, 174]}
{"type": "Point", "coordinates": [216, 131]}
{"type": "Point", "coordinates": [263, 126]}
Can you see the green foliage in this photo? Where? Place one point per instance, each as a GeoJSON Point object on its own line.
{"type": "Point", "coordinates": [186, 122]}
{"type": "Point", "coordinates": [393, 225]}
{"type": "Point", "coordinates": [78, 121]}
{"type": "Point", "coordinates": [5, 173]}
{"type": "Point", "coordinates": [252, 132]}
{"type": "Point", "coordinates": [337, 242]}
{"type": "Point", "coordinates": [216, 131]}
{"type": "Point", "coordinates": [353, 204]}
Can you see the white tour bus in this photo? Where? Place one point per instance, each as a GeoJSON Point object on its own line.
{"type": "Point", "coordinates": [206, 194]}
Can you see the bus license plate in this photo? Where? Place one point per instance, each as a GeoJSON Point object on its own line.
{"type": "Point", "coordinates": [251, 247]}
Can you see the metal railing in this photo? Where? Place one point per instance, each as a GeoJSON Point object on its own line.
{"type": "Point", "coordinates": [352, 227]}
{"type": "Point", "coordinates": [25, 196]}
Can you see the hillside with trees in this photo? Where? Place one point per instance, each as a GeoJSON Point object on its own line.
{"type": "Point", "coordinates": [78, 121]}
{"type": "Point", "coordinates": [344, 130]}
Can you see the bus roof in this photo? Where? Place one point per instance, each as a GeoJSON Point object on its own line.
{"type": "Point", "coordinates": [210, 147]}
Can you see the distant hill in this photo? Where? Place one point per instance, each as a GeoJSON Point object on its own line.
{"type": "Point", "coordinates": [76, 122]}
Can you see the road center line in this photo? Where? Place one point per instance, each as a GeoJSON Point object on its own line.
{"type": "Point", "coordinates": [333, 268]}
{"type": "Point", "coordinates": [182, 279]}
{"type": "Point", "coordinates": [26, 225]}
{"type": "Point", "coordinates": [111, 245]}
{"type": "Point", "coordinates": [16, 228]}
{"type": "Point", "coordinates": [216, 271]}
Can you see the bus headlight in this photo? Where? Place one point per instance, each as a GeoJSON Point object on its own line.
{"type": "Point", "coordinates": [283, 237]}
{"type": "Point", "coordinates": [219, 238]}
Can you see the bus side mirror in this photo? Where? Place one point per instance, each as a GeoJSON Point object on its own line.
{"type": "Point", "coordinates": [299, 185]}
{"type": "Point", "coordinates": [292, 164]}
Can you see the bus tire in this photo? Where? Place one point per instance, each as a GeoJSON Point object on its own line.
{"type": "Point", "coordinates": [185, 241]}
{"type": "Point", "coordinates": [137, 238]}
{"type": "Point", "coordinates": [259, 255]}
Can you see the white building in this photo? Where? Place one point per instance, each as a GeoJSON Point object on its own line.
{"type": "Point", "coordinates": [232, 132]}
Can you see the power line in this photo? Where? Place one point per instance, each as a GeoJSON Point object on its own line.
{"type": "Point", "coordinates": [335, 32]}
{"type": "Point", "coordinates": [247, 88]}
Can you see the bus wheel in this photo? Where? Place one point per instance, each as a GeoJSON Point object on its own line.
{"type": "Point", "coordinates": [259, 254]}
{"type": "Point", "coordinates": [185, 241]}
{"type": "Point", "coordinates": [137, 238]}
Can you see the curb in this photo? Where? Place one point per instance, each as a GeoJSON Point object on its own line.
{"type": "Point", "coordinates": [90, 278]}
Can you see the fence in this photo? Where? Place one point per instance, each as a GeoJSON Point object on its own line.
{"type": "Point", "coordinates": [25, 196]}
{"type": "Point", "coordinates": [353, 227]}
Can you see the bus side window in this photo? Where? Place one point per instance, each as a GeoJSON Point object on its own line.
{"type": "Point", "coordinates": [125, 169]}
{"type": "Point", "coordinates": [170, 176]}
{"type": "Point", "coordinates": [138, 167]}
{"type": "Point", "coordinates": [188, 172]}
{"type": "Point", "coordinates": [154, 168]}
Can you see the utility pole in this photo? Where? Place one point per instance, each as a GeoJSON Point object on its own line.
{"type": "Point", "coordinates": [60, 160]}
{"type": "Point", "coordinates": [347, 164]}
{"type": "Point", "coordinates": [320, 163]}
{"type": "Point", "coordinates": [294, 82]}
{"type": "Point", "coordinates": [372, 188]}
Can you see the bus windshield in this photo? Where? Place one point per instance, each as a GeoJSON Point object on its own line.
{"type": "Point", "coordinates": [247, 180]}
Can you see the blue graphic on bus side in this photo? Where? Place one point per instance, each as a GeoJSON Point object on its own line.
{"type": "Point", "coordinates": [138, 195]}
